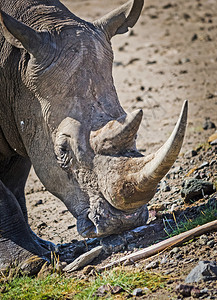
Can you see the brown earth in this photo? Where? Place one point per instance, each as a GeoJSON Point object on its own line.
{"type": "Point", "coordinates": [169, 56]}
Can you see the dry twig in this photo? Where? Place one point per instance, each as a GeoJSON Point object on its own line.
{"type": "Point", "coordinates": [171, 242]}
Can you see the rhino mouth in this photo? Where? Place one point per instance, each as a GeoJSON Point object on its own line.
{"type": "Point", "coordinates": [102, 219]}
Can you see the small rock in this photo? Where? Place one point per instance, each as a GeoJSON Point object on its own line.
{"type": "Point", "coordinates": [195, 292]}
{"type": "Point", "coordinates": [168, 272]}
{"type": "Point", "coordinates": [203, 239]}
{"type": "Point", "coordinates": [173, 207]}
{"type": "Point", "coordinates": [175, 250]}
{"type": "Point", "coordinates": [184, 290]}
{"type": "Point", "coordinates": [164, 186]}
{"type": "Point", "coordinates": [213, 143]}
{"type": "Point", "coordinates": [39, 202]}
{"type": "Point", "coordinates": [211, 243]}
{"type": "Point", "coordinates": [205, 270]}
{"type": "Point", "coordinates": [103, 290]}
{"type": "Point", "coordinates": [153, 265]}
{"type": "Point", "coordinates": [42, 225]}
{"type": "Point", "coordinates": [116, 289]}
{"type": "Point", "coordinates": [204, 291]}
{"type": "Point", "coordinates": [132, 33]}
{"type": "Point", "coordinates": [137, 292]}
{"type": "Point", "coordinates": [213, 162]}
{"type": "Point", "coordinates": [166, 6]}
{"type": "Point", "coordinates": [113, 244]}
{"type": "Point", "coordinates": [164, 260]}
{"type": "Point", "coordinates": [194, 189]}
{"type": "Point", "coordinates": [194, 37]}
{"type": "Point", "coordinates": [191, 153]}
{"type": "Point", "coordinates": [151, 62]}
{"type": "Point", "coordinates": [176, 170]}
{"type": "Point", "coordinates": [203, 165]}
{"type": "Point", "coordinates": [107, 288]}
{"type": "Point", "coordinates": [71, 226]}
{"type": "Point", "coordinates": [208, 124]}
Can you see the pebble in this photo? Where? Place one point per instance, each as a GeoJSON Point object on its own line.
{"type": "Point", "coordinates": [39, 202]}
{"type": "Point", "coordinates": [208, 124]}
{"type": "Point", "coordinates": [173, 207]}
{"type": "Point", "coordinates": [153, 265]}
{"type": "Point", "coordinates": [203, 165]}
{"type": "Point", "coordinates": [193, 189]}
{"type": "Point", "coordinates": [113, 244]}
{"type": "Point", "coordinates": [184, 290]}
{"type": "Point", "coordinates": [204, 291]}
{"type": "Point", "coordinates": [176, 170]}
{"type": "Point", "coordinates": [175, 250]}
{"type": "Point", "coordinates": [213, 143]}
{"type": "Point", "coordinates": [164, 260]}
{"type": "Point", "coordinates": [203, 239]}
{"type": "Point", "coordinates": [205, 270]}
{"type": "Point", "coordinates": [164, 186]}
{"type": "Point", "coordinates": [194, 37]}
{"type": "Point", "coordinates": [137, 292]}
{"type": "Point", "coordinates": [195, 292]}
{"type": "Point", "coordinates": [190, 153]}
{"type": "Point", "coordinates": [213, 162]}
{"type": "Point", "coordinates": [211, 243]}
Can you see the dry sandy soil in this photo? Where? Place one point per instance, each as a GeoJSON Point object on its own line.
{"type": "Point", "coordinates": [169, 56]}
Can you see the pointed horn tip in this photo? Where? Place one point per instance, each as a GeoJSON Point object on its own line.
{"type": "Point", "coordinates": [185, 105]}
{"type": "Point", "coordinates": [137, 113]}
{"type": "Point", "coordinates": [184, 113]}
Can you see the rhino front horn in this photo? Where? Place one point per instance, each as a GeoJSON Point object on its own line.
{"type": "Point", "coordinates": [135, 182]}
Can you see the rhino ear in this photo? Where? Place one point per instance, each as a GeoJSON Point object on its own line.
{"type": "Point", "coordinates": [119, 20]}
{"type": "Point", "coordinates": [20, 35]}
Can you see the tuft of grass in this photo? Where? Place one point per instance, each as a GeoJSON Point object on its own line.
{"type": "Point", "coordinates": [207, 215]}
{"type": "Point", "coordinates": [56, 286]}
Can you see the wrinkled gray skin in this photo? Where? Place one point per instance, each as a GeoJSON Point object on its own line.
{"type": "Point", "coordinates": [57, 95]}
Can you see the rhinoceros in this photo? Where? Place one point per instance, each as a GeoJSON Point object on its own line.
{"type": "Point", "coordinates": [60, 113]}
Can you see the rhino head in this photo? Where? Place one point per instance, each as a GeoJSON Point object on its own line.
{"type": "Point", "coordinates": [81, 142]}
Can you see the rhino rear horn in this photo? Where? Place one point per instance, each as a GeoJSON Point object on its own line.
{"type": "Point", "coordinates": [119, 20]}
{"type": "Point", "coordinates": [20, 35]}
{"type": "Point", "coordinates": [117, 135]}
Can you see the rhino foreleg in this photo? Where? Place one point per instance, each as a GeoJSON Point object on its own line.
{"type": "Point", "coordinates": [14, 173]}
{"type": "Point", "coordinates": [16, 243]}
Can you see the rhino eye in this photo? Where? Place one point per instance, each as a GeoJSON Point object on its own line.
{"type": "Point", "coordinates": [64, 156]}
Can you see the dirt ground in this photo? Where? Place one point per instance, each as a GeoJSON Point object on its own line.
{"type": "Point", "coordinates": [169, 56]}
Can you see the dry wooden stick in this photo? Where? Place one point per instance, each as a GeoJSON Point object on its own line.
{"type": "Point", "coordinates": [173, 241]}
